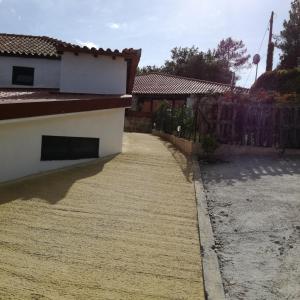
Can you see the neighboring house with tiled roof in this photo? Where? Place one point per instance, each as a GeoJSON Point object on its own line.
{"type": "Point", "coordinates": [150, 89]}
{"type": "Point", "coordinates": [60, 103]}
{"type": "Point", "coordinates": [166, 84]}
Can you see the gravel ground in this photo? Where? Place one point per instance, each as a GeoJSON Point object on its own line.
{"type": "Point", "coordinates": [123, 229]}
{"type": "Point", "coordinates": [254, 205]}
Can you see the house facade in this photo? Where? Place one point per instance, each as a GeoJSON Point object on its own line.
{"type": "Point", "coordinates": [151, 89]}
{"type": "Point", "coordinates": [60, 104]}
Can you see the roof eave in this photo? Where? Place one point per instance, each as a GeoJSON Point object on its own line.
{"type": "Point", "coordinates": [29, 55]}
{"type": "Point", "coordinates": [15, 110]}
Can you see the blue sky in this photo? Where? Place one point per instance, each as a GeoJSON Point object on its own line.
{"type": "Point", "coordinates": [156, 26]}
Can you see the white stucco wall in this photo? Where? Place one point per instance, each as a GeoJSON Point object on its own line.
{"type": "Point", "coordinates": [190, 101]}
{"type": "Point", "coordinates": [20, 140]}
{"type": "Point", "coordinates": [46, 71]}
{"type": "Point", "coordinates": [88, 74]}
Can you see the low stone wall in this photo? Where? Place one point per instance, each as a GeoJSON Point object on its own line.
{"type": "Point", "coordinates": [224, 150]}
{"type": "Point", "coordinates": [187, 147]}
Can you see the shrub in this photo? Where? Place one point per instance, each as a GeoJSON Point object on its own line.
{"type": "Point", "coordinates": [168, 120]}
{"type": "Point", "coordinates": [282, 81]}
{"type": "Point", "coordinates": [209, 144]}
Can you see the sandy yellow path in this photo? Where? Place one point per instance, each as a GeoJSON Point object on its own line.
{"type": "Point", "coordinates": [123, 229]}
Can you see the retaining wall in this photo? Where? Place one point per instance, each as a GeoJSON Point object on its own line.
{"type": "Point", "coordinates": [224, 150]}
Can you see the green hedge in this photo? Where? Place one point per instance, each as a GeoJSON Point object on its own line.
{"type": "Point", "coordinates": [282, 81]}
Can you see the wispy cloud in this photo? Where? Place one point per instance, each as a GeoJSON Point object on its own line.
{"type": "Point", "coordinates": [116, 26]}
{"type": "Point", "coordinates": [87, 43]}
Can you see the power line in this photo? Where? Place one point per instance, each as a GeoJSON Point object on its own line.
{"type": "Point", "coordinates": [262, 41]}
{"type": "Point", "coordinates": [259, 49]}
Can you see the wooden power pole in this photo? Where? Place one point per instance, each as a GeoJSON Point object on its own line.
{"type": "Point", "coordinates": [269, 64]}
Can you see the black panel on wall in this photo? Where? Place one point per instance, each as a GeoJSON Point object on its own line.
{"type": "Point", "coordinates": [69, 148]}
{"type": "Point", "coordinates": [22, 75]}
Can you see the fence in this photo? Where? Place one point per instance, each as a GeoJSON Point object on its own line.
{"type": "Point", "coordinates": [248, 122]}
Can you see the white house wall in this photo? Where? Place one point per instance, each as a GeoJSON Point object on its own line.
{"type": "Point", "coordinates": [85, 73]}
{"type": "Point", "coordinates": [20, 140]}
{"type": "Point", "coordinates": [191, 100]}
{"type": "Point", "coordinates": [46, 71]}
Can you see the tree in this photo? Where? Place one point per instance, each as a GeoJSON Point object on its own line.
{"type": "Point", "coordinates": [289, 40]}
{"type": "Point", "coordinates": [190, 62]}
{"type": "Point", "coordinates": [148, 69]}
{"type": "Point", "coordinates": [180, 58]}
{"type": "Point", "coordinates": [213, 65]}
{"type": "Point", "coordinates": [233, 53]}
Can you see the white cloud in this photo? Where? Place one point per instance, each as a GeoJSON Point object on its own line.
{"type": "Point", "coordinates": [113, 25]}
{"type": "Point", "coordinates": [87, 43]}
{"type": "Point", "coordinates": [116, 26]}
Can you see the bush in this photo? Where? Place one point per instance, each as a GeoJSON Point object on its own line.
{"type": "Point", "coordinates": [162, 117]}
{"type": "Point", "coordinates": [209, 144]}
{"type": "Point", "coordinates": [282, 81]}
{"type": "Point", "coordinates": [168, 120]}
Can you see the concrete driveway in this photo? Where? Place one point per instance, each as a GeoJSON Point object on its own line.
{"type": "Point", "coordinates": [254, 205]}
{"type": "Point", "coordinates": [125, 228]}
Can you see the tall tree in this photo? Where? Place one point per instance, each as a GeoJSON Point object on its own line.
{"type": "Point", "coordinates": [180, 58]}
{"type": "Point", "coordinates": [189, 62]}
{"type": "Point", "coordinates": [213, 65]}
{"type": "Point", "coordinates": [233, 53]}
{"type": "Point", "coordinates": [289, 40]}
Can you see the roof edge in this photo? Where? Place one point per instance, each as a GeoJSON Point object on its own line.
{"type": "Point", "coordinates": [22, 110]}
{"type": "Point", "coordinates": [192, 79]}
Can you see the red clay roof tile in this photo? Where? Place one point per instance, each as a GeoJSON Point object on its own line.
{"type": "Point", "coordinates": [47, 47]}
{"type": "Point", "coordinates": [43, 46]}
{"type": "Point", "coordinates": [160, 84]}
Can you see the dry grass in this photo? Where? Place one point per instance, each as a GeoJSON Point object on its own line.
{"type": "Point", "coordinates": [123, 229]}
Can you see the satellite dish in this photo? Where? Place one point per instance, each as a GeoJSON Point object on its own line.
{"type": "Point", "coordinates": [256, 59]}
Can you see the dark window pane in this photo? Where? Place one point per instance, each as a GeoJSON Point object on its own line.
{"type": "Point", "coordinates": [68, 148]}
{"type": "Point", "coordinates": [84, 147]}
{"type": "Point", "coordinates": [23, 75]}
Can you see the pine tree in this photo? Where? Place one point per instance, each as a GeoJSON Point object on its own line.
{"type": "Point", "coordinates": [289, 42]}
{"type": "Point", "coordinates": [233, 53]}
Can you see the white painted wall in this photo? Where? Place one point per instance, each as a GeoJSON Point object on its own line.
{"type": "Point", "coordinates": [20, 140]}
{"type": "Point", "coordinates": [88, 74]}
{"type": "Point", "coordinates": [191, 100]}
{"type": "Point", "coordinates": [46, 71]}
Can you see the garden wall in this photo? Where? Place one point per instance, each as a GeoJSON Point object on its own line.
{"type": "Point", "coordinates": [191, 148]}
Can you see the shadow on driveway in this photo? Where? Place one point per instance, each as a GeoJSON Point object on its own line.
{"type": "Point", "coordinates": [252, 168]}
{"type": "Point", "coordinates": [51, 187]}
{"type": "Point", "coordinates": [183, 161]}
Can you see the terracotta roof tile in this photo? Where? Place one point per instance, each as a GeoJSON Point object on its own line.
{"type": "Point", "coordinates": [47, 47]}
{"type": "Point", "coordinates": [44, 46]}
{"type": "Point", "coordinates": [159, 84]}
{"type": "Point", "coordinates": [28, 45]}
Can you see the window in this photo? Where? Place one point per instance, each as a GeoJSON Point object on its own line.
{"type": "Point", "coordinates": [69, 148]}
{"type": "Point", "coordinates": [22, 75]}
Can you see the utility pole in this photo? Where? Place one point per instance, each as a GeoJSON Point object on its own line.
{"type": "Point", "coordinates": [269, 64]}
